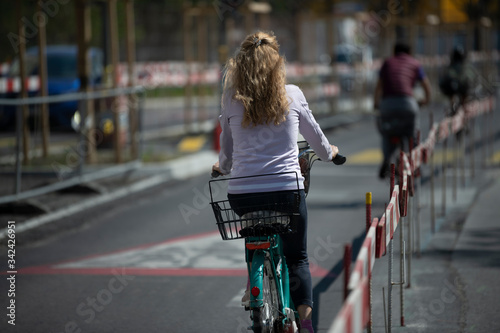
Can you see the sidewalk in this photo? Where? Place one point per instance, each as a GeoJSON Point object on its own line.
{"type": "Point", "coordinates": [454, 284]}
{"type": "Point", "coordinates": [476, 259]}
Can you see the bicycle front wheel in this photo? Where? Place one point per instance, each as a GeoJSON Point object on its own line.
{"type": "Point", "coordinates": [268, 318]}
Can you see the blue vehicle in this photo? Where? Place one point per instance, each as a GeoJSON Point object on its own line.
{"type": "Point", "coordinates": [62, 70]}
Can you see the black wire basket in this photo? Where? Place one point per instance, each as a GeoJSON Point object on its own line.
{"type": "Point", "coordinates": [255, 223]}
{"type": "Point", "coordinates": [272, 216]}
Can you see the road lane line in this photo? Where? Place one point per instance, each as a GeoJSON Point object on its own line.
{"type": "Point", "coordinates": [368, 156]}
{"type": "Point", "coordinates": [194, 255]}
{"type": "Point", "coordinates": [192, 143]}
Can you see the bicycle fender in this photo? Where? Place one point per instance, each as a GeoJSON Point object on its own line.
{"type": "Point", "coordinates": [256, 277]}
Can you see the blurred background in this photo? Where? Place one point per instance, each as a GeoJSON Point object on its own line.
{"type": "Point", "coordinates": [174, 51]}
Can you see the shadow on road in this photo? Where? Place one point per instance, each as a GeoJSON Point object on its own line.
{"type": "Point", "coordinates": [330, 278]}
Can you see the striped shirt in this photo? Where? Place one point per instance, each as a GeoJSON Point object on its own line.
{"type": "Point", "coordinates": [399, 74]}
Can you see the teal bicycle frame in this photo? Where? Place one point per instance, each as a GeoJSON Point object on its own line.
{"type": "Point", "coordinates": [256, 270]}
{"type": "Point", "coordinates": [270, 249]}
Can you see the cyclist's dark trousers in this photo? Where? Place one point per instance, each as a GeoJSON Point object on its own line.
{"type": "Point", "coordinates": [397, 120]}
{"type": "Point", "coordinates": [389, 146]}
{"type": "Point", "coordinates": [294, 245]}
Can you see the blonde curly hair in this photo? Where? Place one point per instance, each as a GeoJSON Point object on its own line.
{"type": "Point", "coordinates": [255, 76]}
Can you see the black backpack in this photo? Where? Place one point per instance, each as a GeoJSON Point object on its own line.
{"type": "Point", "coordinates": [454, 81]}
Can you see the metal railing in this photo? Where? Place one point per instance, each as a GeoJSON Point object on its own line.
{"type": "Point", "coordinates": [112, 105]}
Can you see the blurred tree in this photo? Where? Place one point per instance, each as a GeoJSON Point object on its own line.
{"type": "Point", "coordinates": [159, 22]}
{"type": "Point", "coordinates": [8, 30]}
{"type": "Point", "coordinates": [59, 20]}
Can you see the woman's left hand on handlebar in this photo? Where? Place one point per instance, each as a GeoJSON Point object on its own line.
{"type": "Point", "coordinates": [216, 168]}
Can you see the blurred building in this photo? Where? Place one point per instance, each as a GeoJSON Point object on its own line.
{"type": "Point", "coordinates": [308, 30]}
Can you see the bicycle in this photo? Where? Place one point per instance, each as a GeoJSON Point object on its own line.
{"type": "Point", "coordinates": [397, 131]}
{"type": "Point", "coordinates": [271, 307]}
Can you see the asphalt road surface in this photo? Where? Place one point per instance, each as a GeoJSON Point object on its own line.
{"type": "Point", "coordinates": [155, 262]}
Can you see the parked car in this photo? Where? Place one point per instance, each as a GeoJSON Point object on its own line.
{"type": "Point", "coordinates": [62, 70]}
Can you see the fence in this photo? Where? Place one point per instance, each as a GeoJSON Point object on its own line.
{"type": "Point", "coordinates": [116, 113]}
{"type": "Point", "coordinates": [355, 313]}
{"type": "Point", "coordinates": [330, 88]}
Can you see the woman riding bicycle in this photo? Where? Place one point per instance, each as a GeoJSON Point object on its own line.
{"type": "Point", "coordinates": [261, 118]}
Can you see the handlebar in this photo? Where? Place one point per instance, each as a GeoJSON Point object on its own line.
{"type": "Point", "coordinates": [215, 174]}
{"type": "Point", "coordinates": [339, 159]}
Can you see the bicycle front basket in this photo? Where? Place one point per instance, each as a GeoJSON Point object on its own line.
{"type": "Point", "coordinates": [257, 214]}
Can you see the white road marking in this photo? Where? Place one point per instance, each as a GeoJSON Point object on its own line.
{"type": "Point", "coordinates": [235, 302]}
{"type": "Point", "coordinates": [206, 252]}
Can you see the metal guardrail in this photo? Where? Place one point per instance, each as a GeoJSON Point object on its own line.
{"type": "Point", "coordinates": [72, 96]}
{"type": "Point", "coordinates": [78, 176]}
{"type": "Point", "coordinates": [76, 180]}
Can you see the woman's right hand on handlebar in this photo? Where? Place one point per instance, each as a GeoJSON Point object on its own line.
{"type": "Point", "coordinates": [335, 151]}
{"type": "Point", "coordinates": [337, 159]}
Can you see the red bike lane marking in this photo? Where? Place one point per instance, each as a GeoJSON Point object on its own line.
{"type": "Point", "coordinates": [184, 256]}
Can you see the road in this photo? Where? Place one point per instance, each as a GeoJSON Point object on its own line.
{"type": "Point", "coordinates": [154, 262]}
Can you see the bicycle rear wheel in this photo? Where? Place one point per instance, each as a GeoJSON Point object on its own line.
{"type": "Point", "coordinates": [268, 318]}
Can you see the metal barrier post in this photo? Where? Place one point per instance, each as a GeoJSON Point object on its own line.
{"type": "Point", "coordinates": [408, 213]}
{"type": "Point", "coordinates": [443, 176]}
{"type": "Point", "coordinates": [368, 223]}
{"type": "Point", "coordinates": [368, 210]}
{"type": "Point", "coordinates": [414, 244]}
{"type": "Point", "coordinates": [19, 137]}
{"type": "Point", "coordinates": [473, 147]}
{"type": "Point", "coordinates": [390, 258]}
{"type": "Point", "coordinates": [455, 165]}
{"type": "Point", "coordinates": [431, 167]}
{"type": "Point", "coordinates": [483, 140]}
{"type": "Point", "coordinates": [461, 143]}
{"type": "Point", "coordinates": [393, 173]}
{"type": "Point", "coordinates": [410, 219]}
{"type": "Point", "coordinates": [140, 123]}
{"type": "Point", "coordinates": [403, 177]}
{"type": "Point", "coordinates": [347, 268]}
{"type": "Point", "coordinates": [389, 285]}
{"type": "Point", "coordinates": [491, 134]}
{"type": "Point", "coordinates": [401, 270]}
